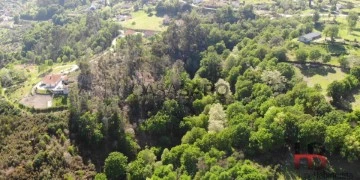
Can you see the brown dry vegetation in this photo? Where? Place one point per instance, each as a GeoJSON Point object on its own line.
{"type": "Point", "coordinates": [38, 147]}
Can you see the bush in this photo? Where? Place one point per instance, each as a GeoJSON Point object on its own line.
{"type": "Point", "coordinates": [344, 63]}
{"type": "Point", "coordinates": [52, 128]}
{"type": "Point", "coordinates": [39, 159]}
{"type": "Point", "coordinates": [62, 138]}
{"type": "Point", "coordinates": [46, 138]}
{"type": "Point", "coordinates": [301, 55]}
{"type": "Point", "coordinates": [314, 55]}
{"type": "Point", "coordinates": [71, 150]}
{"type": "Point", "coordinates": [42, 145]}
{"type": "Point", "coordinates": [29, 166]}
{"type": "Point", "coordinates": [42, 91]}
{"type": "Point", "coordinates": [326, 58]}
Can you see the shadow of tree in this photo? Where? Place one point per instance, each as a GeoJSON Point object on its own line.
{"type": "Point", "coordinates": [344, 104]}
{"type": "Point", "coordinates": [319, 26]}
{"type": "Point", "coordinates": [350, 98]}
{"type": "Point", "coordinates": [336, 48]}
{"type": "Point", "coordinates": [356, 29]}
{"type": "Point", "coordinates": [345, 70]}
{"type": "Point", "coordinates": [312, 70]}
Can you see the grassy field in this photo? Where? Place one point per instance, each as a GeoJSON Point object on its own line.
{"type": "Point", "coordinates": [25, 88]}
{"type": "Point", "coordinates": [320, 75]}
{"type": "Point", "coordinates": [357, 9]}
{"type": "Point", "coordinates": [142, 21]}
{"type": "Point", "coordinates": [344, 32]}
{"type": "Point", "coordinates": [356, 104]}
{"type": "Point", "coordinates": [324, 76]}
{"type": "Point", "coordinates": [343, 28]}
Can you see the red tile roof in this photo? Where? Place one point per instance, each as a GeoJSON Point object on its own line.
{"type": "Point", "coordinates": [129, 32]}
{"type": "Point", "coordinates": [52, 79]}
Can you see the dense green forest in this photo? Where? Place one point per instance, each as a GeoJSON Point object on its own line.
{"type": "Point", "coordinates": [215, 96]}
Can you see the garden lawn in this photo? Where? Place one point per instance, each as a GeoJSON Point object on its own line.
{"type": "Point", "coordinates": [344, 33]}
{"type": "Point", "coordinates": [144, 22]}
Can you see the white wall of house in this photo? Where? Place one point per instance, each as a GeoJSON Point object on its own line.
{"type": "Point", "coordinates": [303, 39]}
{"type": "Point", "coordinates": [197, 1]}
{"type": "Point", "coordinates": [50, 86]}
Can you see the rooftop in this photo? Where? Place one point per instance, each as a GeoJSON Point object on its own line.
{"type": "Point", "coordinates": [312, 35]}
{"type": "Point", "coordinates": [52, 79]}
{"type": "Point", "coordinates": [130, 32]}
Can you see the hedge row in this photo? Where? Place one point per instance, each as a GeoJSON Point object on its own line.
{"type": "Point", "coordinates": [50, 109]}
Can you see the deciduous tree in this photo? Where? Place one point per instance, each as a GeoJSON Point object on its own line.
{"type": "Point", "coordinates": [351, 148]}
{"type": "Point", "coordinates": [217, 118]}
{"type": "Point", "coordinates": [115, 166]}
{"type": "Point", "coordinates": [331, 31]}
{"type": "Point", "coordinates": [314, 55]}
{"type": "Point", "coordinates": [301, 55]}
{"type": "Point", "coordinates": [352, 19]}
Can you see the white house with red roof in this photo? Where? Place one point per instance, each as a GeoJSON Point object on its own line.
{"type": "Point", "coordinates": [56, 83]}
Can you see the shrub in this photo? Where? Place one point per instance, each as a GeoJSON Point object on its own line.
{"type": "Point", "coordinates": [301, 55]}
{"type": "Point", "coordinates": [39, 159]}
{"type": "Point", "coordinates": [71, 150]}
{"type": "Point", "coordinates": [62, 138]}
{"type": "Point", "coordinates": [326, 58]}
{"type": "Point", "coordinates": [46, 138]}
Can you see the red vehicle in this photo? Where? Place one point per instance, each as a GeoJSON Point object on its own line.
{"type": "Point", "coordinates": [311, 160]}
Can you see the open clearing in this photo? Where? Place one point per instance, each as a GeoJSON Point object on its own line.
{"type": "Point", "coordinates": [142, 21]}
{"type": "Point", "coordinates": [320, 75]}
{"type": "Point", "coordinates": [324, 76]}
{"type": "Point", "coordinates": [37, 101]}
{"type": "Point", "coordinates": [343, 28]}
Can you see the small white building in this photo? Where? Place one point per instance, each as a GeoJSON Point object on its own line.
{"type": "Point", "coordinates": [197, 1]}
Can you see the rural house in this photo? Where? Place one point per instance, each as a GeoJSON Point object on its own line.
{"type": "Point", "coordinates": [307, 38]}
{"type": "Point", "coordinates": [55, 83]}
